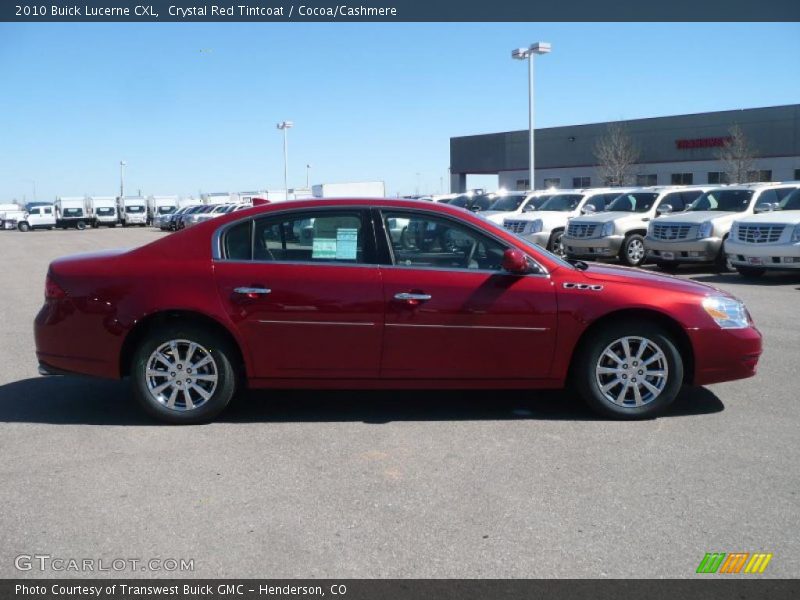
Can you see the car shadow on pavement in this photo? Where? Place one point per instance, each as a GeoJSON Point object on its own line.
{"type": "Point", "coordinates": [87, 401]}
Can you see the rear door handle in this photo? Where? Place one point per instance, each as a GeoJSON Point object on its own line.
{"type": "Point", "coordinates": [412, 299]}
{"type": "Point", "coordinates": [252, 292]}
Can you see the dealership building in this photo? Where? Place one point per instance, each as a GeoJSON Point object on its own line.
{"type": "Point", "coordinates": [682, 149]}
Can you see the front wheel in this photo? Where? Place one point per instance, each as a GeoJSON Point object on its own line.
{"type": "Point", "coordinates": [556, 245]}
{"type": "Point", "coordinates": [23, 227]}
{"type": "Point", "coordinates": [633, 251]}
{"type": "Point", "coordinates": [629, 371]}
{"type": "Point", "coordinates": [184, 374]}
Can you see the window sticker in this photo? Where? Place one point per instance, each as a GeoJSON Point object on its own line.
{"type": "Point", "coordinates": [346, 245]}
{"type": "Point", "coordinates": [324, 248]}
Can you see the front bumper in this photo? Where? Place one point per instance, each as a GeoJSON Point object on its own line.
{"type": "Point", "coordinates": [604, 247]}
{"type": "Point", "coordinates": [698, 251]}
{"type": "Point", "coordinates": [541, 239]}
{"type": "Point", "coordinates": [725, 354]}
{"type": "Point", "coordinates": [764, 256]}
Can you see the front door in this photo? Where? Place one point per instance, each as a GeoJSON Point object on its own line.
{"type": "Point", "coordinates": [305, 294]}
{"type": "Point", "coordinates": [451, 310]}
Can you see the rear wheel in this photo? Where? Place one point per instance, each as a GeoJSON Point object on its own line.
{"type": "Point", "coordinates": [23, 226]}
{"type": "Point", "coordinates": [184, 374]}
{"type": "Point", "coordinates": [633, 251]}
{"type": "Point", "coordinates": [80, 225]}
{"type": "Point", "coordinates": [629, 371]}
{"type": "Point", "coordinates": [556, 245]}
{"type": "Point", "coordinates": [750, 272]}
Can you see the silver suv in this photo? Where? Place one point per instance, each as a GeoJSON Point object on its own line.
{"type": "Point", "coordinates": [619, 231]}
{"type": "Point", "coordinates": [697, 235]}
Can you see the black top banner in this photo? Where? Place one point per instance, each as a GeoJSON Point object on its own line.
{"type": "Point", "coordinates": [402, 11]}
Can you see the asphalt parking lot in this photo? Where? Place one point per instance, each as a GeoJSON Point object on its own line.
{"type": "Point", "coordinates": [394, 484]}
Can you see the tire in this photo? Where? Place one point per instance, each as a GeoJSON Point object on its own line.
{"type": "Point", "coordinates": [556, 246]}
{"type": "Point", "coordinates": [750, 272]}
{"type": "Point", "coordinates": [215, 352]}
{"type": "Point", "coordinates": [667, 267]}
{"type": "Point", "coordinates": [23, 227]}
{"type": "Point", "coordinates": [633, 252]}
{"type": "Point", "coordinates": [722, 264]}
{"type": "Point", "coordinates": [80, 225]}
{"type": "Point", "coordinates": [593, 370]}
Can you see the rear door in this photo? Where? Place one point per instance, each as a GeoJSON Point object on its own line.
{"type": "Point", "coordinates": [305, 292]}
{"type": "Point", "coordinates": [452, 312]}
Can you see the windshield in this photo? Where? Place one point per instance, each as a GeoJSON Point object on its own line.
{"type": "Point", "coordinates": [481, 202]}
{"type": "Point", "coordinates": [105, 211]}
{"type": "Point", "coordinates": [507, 203]}
{"type": "Point", "coordinates": [790, 202]}
{"type": "Point", "coordinates": [637, 202]}
{"type": "Point", "coordinates": [538, 249]}
{"type": "Point", "coordinates": [134, 209]}
{"type": "Point", "coordinates": [73, 212]}
{"type": "Point", "coordinates": [562, 202]}
{"type": "Point", "coordinates": [723, 201]}
{"type": "Point", "coordinates": [536, 202]}
{"type": "Point", "coordinates": [460, 201]}
{"type": "Point", "coordinates": [166, 210]}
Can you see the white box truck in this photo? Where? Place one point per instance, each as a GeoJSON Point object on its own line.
{"type": "Point", "coordinates": [10, 214]}
{"type": "Point", "coordinates": [160, 207]}
{"type": "Point", "coordinates": [103, 210]}
{"type": "Point", "coordinates": [358, 189]}
{"type": "Point", "coordinates": [132, 211]}
{"type": "Point", "coordinates": [72, 211]}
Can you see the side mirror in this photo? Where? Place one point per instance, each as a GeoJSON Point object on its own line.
{"type": "Point", "coordinates": [515, 261]}
{"type": "Point", "coordinates": [588, 209]}
{"type": "Point", "coordinates": [766, 207]}
{"type": "Point", "coordinates": [664, 209]}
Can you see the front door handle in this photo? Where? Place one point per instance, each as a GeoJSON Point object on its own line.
{"type": "Point", "coordinates": [412, 299]}
{"type": "Point", "coordinates": [252, 292]}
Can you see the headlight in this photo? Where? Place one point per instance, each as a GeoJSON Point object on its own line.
{"type": "Point", "coordinates": [726, 312]}
{"type": "Point", "coordinates": [796, 234]}
{"type": "Point", "coordinates": [536, 226]}
{"type": "Point", "coordinates": [608, 229]}
{"type": "Point", "coordinates": [705, 230]}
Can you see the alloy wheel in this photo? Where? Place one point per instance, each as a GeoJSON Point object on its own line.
{"type": "Point", "coordinates": [181, 375]}
{"type": "Point", "coordinates": [632, 371]}
{"type": "Point", "coordinates": [635, 251]}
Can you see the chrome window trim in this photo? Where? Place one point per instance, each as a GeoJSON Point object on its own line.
{"type": "Point", "coordinates": [216, 242]}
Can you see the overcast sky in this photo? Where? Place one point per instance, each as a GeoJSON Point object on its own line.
{"type": "Point", "coordinates": [193, 107]}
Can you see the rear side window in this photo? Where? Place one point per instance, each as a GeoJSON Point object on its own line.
{"type": "Point", "coordinates": [238, 242]}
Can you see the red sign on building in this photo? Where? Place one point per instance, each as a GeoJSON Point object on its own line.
{"type": "Point", "coordinates": [710, 142]}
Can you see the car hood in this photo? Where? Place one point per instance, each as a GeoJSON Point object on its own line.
{"type": "Point", "coordinates": [640, 277]}
{"type": "Point", "coordinates": [779, 217]}
{"type": "Point", "coordinates": [697, 217]}
{"type": "Point", "coordinates": [548, 217]}
{"type": "Point", "coordinates": [605, 217]}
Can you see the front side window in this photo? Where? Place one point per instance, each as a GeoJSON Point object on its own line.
{"type": "Point", "coordinates": [791, 201]}
{"type": "Point", "coordinates": [34, 211]}
{"type": "Point", "coordinates": [427, 241]}
{"type": "Point", "coordinates": [723, 200]}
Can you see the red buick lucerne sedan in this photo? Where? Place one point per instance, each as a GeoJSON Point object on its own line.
{"type": "Point", "coordinates": [356, 294]}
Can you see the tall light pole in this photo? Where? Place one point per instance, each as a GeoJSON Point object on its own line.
{"type": "Point", "coordinates": [285, 126]}
{"type": "Point", "coordinates": [528, 54]}
{"type": "Point", "coordinates": [308, 171]}
{"type": "Point", "coordinates": [122, 165]}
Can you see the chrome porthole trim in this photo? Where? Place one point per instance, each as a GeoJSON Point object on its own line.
{"type": "Point", "coordinates": [181, 375]}
{"type": "Point", "coordinates": [632, 371]}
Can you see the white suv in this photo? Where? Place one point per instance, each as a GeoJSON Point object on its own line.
{"type": "Point", "coordinates": [546, 225]}
{"type": "Point", "coordinates": [769, 240]}
{"type": "Point", "coordinates": [510, 204]}
{"type": "Point", "coordinates": [696, 236]}
{"type": "Point", "coordinates": [619, 231]}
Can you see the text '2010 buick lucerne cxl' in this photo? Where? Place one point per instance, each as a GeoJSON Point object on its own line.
{"type": "Point", "coordinates": [319, 294]}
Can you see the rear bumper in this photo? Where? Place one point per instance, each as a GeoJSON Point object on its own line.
{"type": "Point", "coordinates": [725, 354]}
{"type": "Point", "coordinates": [705, 250]}
{"type": "Point", "coordinates": [607, 247]}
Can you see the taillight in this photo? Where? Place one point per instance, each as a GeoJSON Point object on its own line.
{"type": "Point", "coordinates": [52, 291]}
